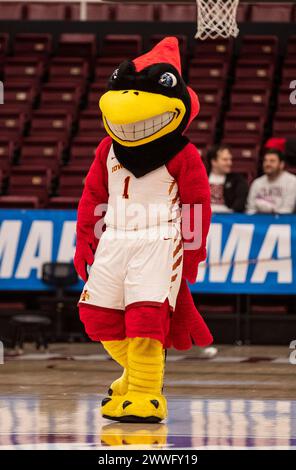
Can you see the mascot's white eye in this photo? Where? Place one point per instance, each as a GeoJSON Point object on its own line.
{"type": "Point", "coordinates": [114, 75]}
{"type": "Point", "coordinates": [168, 79]}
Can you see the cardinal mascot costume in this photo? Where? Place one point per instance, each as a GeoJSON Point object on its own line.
{"type": "Point", "coordinates": [145, 181]}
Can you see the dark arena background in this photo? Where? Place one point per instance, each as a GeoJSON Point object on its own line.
{"type": "Point", "coordinates": [239, 393]}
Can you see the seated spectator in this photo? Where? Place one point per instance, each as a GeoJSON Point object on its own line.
{"type": "Point", "coordinates": [229, 191]}
{"type": "Point", "coordinates": [275, 191]}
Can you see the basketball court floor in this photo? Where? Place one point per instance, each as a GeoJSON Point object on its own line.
{"type": "Point", "coordinates": [243, 398]}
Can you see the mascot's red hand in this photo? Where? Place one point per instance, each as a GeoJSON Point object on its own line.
{"type": "Point", "coordinates": [83, 256]}
{"type": "Point", "coordinates": [187, 326]}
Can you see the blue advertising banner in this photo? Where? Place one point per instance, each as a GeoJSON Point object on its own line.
{"type": "Point", "coordinates": [246, 253]}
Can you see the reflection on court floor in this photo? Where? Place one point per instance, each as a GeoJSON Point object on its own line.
{"type": "Point", "coordinates": [29, 422]}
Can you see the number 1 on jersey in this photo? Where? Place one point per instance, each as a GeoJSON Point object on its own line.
{"type": "Point", "coordinates": [125, 190]}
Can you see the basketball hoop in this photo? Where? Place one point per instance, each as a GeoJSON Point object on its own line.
{"type": "Point", "coordinates": [216, 18]}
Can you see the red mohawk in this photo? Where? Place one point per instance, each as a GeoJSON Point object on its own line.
{"type": "Point", "coordinates": [166, 50]}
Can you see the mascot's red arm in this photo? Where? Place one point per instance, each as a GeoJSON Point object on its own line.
{"type": "Point", "coordinates": [95, 192]}
{"type": "Point", "coordinates": [187, 325]}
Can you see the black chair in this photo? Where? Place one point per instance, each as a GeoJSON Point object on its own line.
{"type": "Point", "coordinates": [59, 276]}
{"type": "Point", "coordinates": [29, 326]}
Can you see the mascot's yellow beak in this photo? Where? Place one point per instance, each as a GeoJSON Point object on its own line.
{"type": "Point", "coordinates": [133, 117]}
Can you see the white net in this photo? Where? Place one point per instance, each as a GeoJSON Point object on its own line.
{"type": "Point", "coordinates": [216, 18]}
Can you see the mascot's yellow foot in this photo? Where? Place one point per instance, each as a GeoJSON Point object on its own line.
{"type": "Point", "coordinates": [119, 386]}
{"type": "Point", "coordinates": [110, 404]}
{"type": "Point", "coordinates": [136, 407]}
{"type": "Point", "coordinates": [148, 436]}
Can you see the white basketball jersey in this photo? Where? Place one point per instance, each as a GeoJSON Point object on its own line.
{"type": "Point", "coordinates": [138, 203]}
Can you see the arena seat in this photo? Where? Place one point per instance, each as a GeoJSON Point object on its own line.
{"type": "Point", "coordinates": [208, 71]}
{"type": "Point", "coordinates": [250, 100]}
{"type": "Point", "coordinates": [174, 12]}
{"type": "Point", "coordinates": [264, 47]}
{"type": "Point", "coordinates": [288, 72]}
{"type": "Point", "coordinates": [291, 44]}
{"type": "Point", "coordinates": [3, 45]}
{"type": "Point", "coordinates": [32, 44]}
{"type": "Point", "coordinates": [6, 156]}
{"type": "Point", "coordinates": [63, 69]}
{"type": "Point", "coordinates": [12, 11]}
{"type": "Point", "coordinates": [91, 124]}
{"type": "Point", "coordinates": [278, 12]}
{"type": "Point", "coordinates": [218, 50]}
{"type": "Point", "coordinates": [243, 126]}
{"type": "Point", "coordinates": [134, 12]}
{"type": "Point", "coordinates": [96, 90]}
{"type": "Point", "coordinates": [82, 152]}
{"type": "Point", "coordinates": [250, 71]}
{"type": "Point", "coordinates": [71, 182]}
{"type": "Point", "coordinates": [77, 45]}
{"type": "Point", "coordinates": [99, 12]}
{"type": "Point", "coordinates": [19, 202]}
{"type": "Point", "coordinates": [48, 11]}
{"type": "Point", "coordinates": [19, 70]}
{"type": "Point", "coordinates": [284, 123]}
{"type": "Point", "coordinates": [30, 181]}
{"type": "Point", "coordinates": [121, 45]}
{"type": "Point", "coordinates": [63, 95]}
{"type": "Point", "coordinates": [240, 151]}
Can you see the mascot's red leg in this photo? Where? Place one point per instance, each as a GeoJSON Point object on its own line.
{"type": "Point", "coordinates": [147, 326]}
{"type": "Point", "coordinates": [108, 326]}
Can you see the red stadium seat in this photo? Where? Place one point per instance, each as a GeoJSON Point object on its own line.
{"type": "Point", "coordinates": [77, 45]}
{"type": "Point", "coordinates": [32, 44]}
{"type": "Point", "coordinates": [3, 44]}
{"type": "Point", "coordinates": [48, 11]}
{"type": "Point", "coordinates": [90, 123]}
{"type": "Point", "coordinates": [99, 12]}
{"type": "Point", "coordinates": [241, 125]}
{"type": "Point", "coordinates": [96, 90]}
{"type": "Point", "coordinates": [284, 124]}
{"type": "Point", "coordinates": [249, 100]}
{"type": "Point", "coordinates": [277, 12]}
{"type": "Point", "coordinates": [289, 72]}
{"type": "Point", "coordinates": [283, 100]}
{"type": "Point", "coordinates": [134, 12]}
{"type": "Point", "coordinates": [264, 47]}
{"type": "Point", "coordinates": [250, 71]}
{"type": "Point", "coordinates": [218, 50]}
{"type": "Point", "coordinates": [174, 12]}
{"type": "Point", "coordinates": [242, 12]}
{"type": "Point", "coordinates": [20, 93]}
{"type": "Point", "coordinates": [60, 202]}
{"type": "Point", "coordinates": [122, 45]}
{"type": "Point", "coordinates": [291, 45]}
{"type": "Point", "coordinates": [6, 155]}
{"type": "Point", "coordinates": [36, 182]}
{"type": "Point", "coordinates": [19, 202]}
{"type": "Point", "coordinates": [240, 151]}
{"type": "Point", "coordinates": [64, 68]}
{"type": "Point", "coordinates": [71, 182]}
{"type": "Point", "coordinates": [64, 95]}
{"type": "Point", "coordinates": [45, 156]}
{"type": "Point", "coordinates": [11, 124]}
{"type": "Point", "coordinates": [210, 97]}
{"type": "Point", "coordinates": [20, 70]}
{"type": "Point", "coordinates": [82, 153]}
{"type": "Point", "coordinates": [12, 11]}
{"type": "Point", "coordinates": [208, 72]}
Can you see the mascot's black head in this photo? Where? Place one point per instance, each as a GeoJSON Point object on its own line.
{"type": "Point", "coordinates": [148, 107]}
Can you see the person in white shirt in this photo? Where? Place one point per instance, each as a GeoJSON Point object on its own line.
{"type": "Point", "coordinates": [275, 191]}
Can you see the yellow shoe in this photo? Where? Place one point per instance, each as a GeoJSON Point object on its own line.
{"type": "Point", "coordinates": [137, 407]}
{"type": "Point", "coordinates": [110, 404]}
{"type": "Point", "coordinates": [119, 386]}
